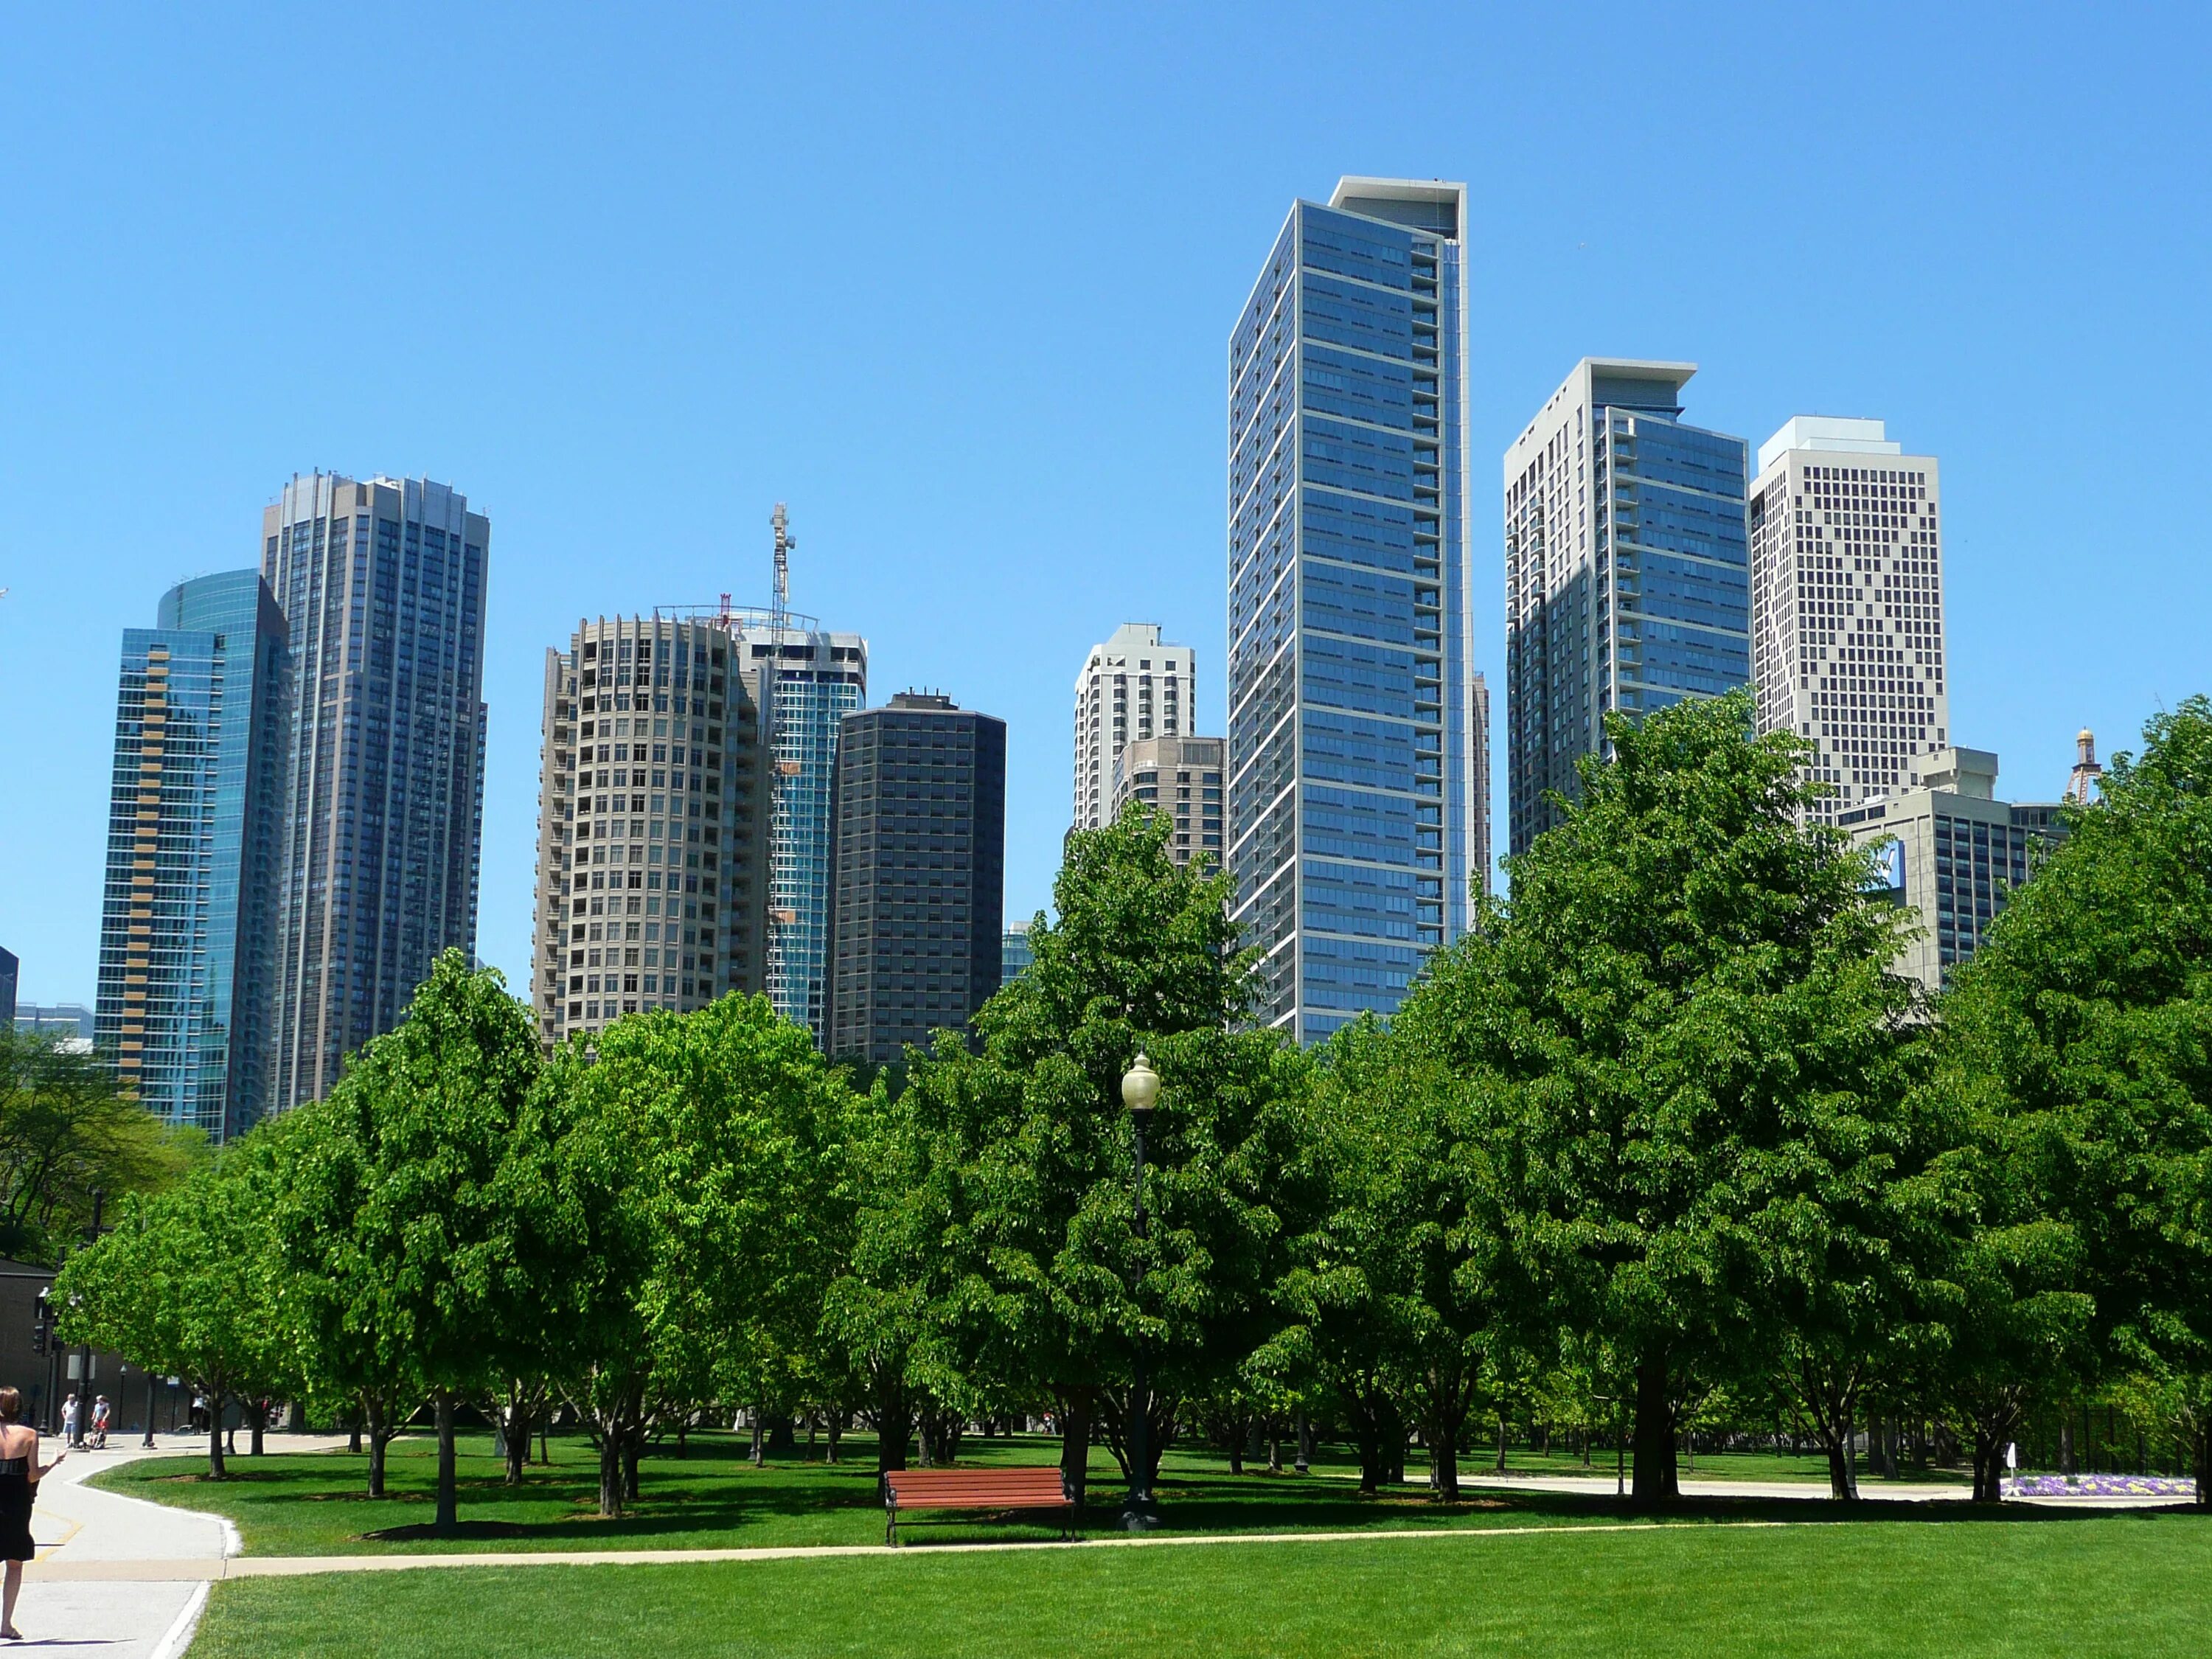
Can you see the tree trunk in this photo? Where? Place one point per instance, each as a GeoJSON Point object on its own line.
{"type": "Point", "coordinates": [894, 1423]}
{"type": "Point", "coordinates": [515, 1436]}
{"type": "Point", "coordinates": [378, 1439]}
{"type": "Point", "coordinates": [1443, 1467]}
{"type": "Point", "coordinates": [2067, 1461]}
{"type": "Point", "coordinates": [1655, 1482]}
{"type": "Point", "coordinates": [217, 1468]}
{"type": "Point", "coordinates": [1500, 1466]}
{"type": "Point", "coordinates": [353, 1437]}
{"type": "Point", "coordinates": [1077, 1407]}
{"type": "Point", "coordinates": [260, 1427]}
{"type": "Point", "coordinates": [449, 1517]}
{"type": "Point", "coordinates": [2200, 1460]}
{"type": "Point", "coordinates": [1988, 1467]}
{"type": "Point", "coordinates": [1842, 1479]}
{"type": "Point", "coordinates": [611, 1469]}
{"type": "Point", "coordinates": [836, 1431]}
{"type": "Point", "coordinates": [632, 1451]}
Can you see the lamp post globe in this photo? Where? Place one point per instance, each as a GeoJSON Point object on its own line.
{"type": "Point", "coordinates": [1141, 1087]}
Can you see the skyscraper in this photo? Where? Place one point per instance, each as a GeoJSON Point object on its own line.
{"type": "Point", "coordinates": [1132, 687]}
{"type": "Point", "coordinates": [1848, 576]}
{"type": "Point", "coordinates": [1352, 798]}
{"type": "Point", "coordinates": [805, 680]}
{"type": "Point", "coordinates": [651, 824]}
{"type": "Point", "coordinates": [1180, 776]}
{"type": "Point", "coordinates": [382, 586]}
{"type": "Point", "coordinates": [1484, 861]}
{"type": "Point", "coordinates": [1625, 582]}
{"type": "Point", "coordinates": [9, 965]}
{"type": "Point", "coordinates": [918, 893]}
{"type": "Point", "coordinates": [185, 947]}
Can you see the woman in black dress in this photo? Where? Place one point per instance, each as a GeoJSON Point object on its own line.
{"type": "Point", "coordinates": [19, 1474]}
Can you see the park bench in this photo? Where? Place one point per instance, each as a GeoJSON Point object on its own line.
{"type": "Point", "coordinates": [1035, 1486]}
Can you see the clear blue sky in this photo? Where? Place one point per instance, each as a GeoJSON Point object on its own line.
{"type": "Point", "coordinates": [955, 285]}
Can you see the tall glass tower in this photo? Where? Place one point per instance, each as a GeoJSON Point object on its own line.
{"type": "Point", "coordinates": [382, 586]}
{"type": "Point", "coordinates": [804, 680]}
{"type": "Point", "coordinates": [1627, 580]}
{"type": "Point", "coordinates": [1354, 801]}
{"type": "Point", "coordinates": [185, 922]}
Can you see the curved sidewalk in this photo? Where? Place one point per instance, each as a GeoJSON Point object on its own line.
{"type": "Point", "coordinates": [118, 1573]}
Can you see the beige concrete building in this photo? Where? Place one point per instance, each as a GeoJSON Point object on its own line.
{"type": "Point", "coordinates": [653, 838]}
{"type": "Point", "coordinates": [1181, 777]}
{"type": "Point", "coordinates": [1954, 851]}
{"type": "Point", "coordinates": [1847, 606]}
{"type": "Point", "coordinates": [1132, 687]}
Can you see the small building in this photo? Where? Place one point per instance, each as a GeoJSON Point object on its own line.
{"type": "Point", "coordinates": [1015, 951]}
{"type": "Point", "coordinates": [1953, 851]}
{"type": "Point", "coordinates": [1181, 777]}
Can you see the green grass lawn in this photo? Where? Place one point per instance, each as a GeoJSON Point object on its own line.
{"type": "Point", "coordinates": [314, 1502]}
{"type": "Point", "coordinates": [2031, 1585]}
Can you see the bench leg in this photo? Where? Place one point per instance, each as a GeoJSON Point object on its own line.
{"type": "Point", "coordinates": [891, 1529]}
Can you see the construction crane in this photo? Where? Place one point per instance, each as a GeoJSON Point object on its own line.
{"type": "Point", "coordinates": [780, 596]}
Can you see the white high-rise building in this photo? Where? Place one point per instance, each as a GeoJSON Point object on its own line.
{"type": "Point", "coordinates": [1847, 602]}
{"type": "Point", "coordinates": [1131, 687]}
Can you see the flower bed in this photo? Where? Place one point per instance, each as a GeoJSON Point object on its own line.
{"type": "Point", "coordinates": [2098, 1485]}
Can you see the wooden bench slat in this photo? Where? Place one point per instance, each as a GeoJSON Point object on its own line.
{"type": "Point", "coordinates": [1029, 1486]}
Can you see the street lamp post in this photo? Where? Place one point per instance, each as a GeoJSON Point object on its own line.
{"type": "Point", "coordinates": [1141, 1087]}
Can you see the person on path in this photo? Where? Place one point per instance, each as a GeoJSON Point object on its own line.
{"type": "Point", "coordinates": [68, 1419]}
{"type": "Point", "coordinates": [101, 1411]}
{"type": "Point", "coordinates": [19, 1474]}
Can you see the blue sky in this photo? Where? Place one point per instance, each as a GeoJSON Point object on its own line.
{"type": "Point", "coordinates": [957, 283]}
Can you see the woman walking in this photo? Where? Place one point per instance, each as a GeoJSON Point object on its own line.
{"type": "Point", "coordinates": [19, 1474]}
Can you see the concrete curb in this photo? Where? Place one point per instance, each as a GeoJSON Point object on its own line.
{"type": "Point", "coordinates": [179, 1636]}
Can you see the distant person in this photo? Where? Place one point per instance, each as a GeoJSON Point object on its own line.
{"type": "Point", "coordinates": [101, 1411]}
{"type": "Point", "coordinates": [19, 1474]}
{"type": "Point", "coordinates": [68, 1419]}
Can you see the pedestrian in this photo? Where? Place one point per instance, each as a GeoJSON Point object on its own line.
{"type": "Point", "coordinates": [19, 1474]}
{"type": "Point", "coordinates": [101, 1411]}
{"type": "Point", "coordinates": [68, 1419]}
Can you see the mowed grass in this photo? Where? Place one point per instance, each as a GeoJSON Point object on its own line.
{"type": "Point", "coordinates": [713, 1498]}
{"type": "Point", "coordinates": [2087, 1587]}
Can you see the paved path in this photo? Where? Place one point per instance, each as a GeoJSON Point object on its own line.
{"type": "Point", "coordinates": [119, 1576]}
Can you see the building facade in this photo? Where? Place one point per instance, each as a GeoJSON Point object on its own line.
{"type": "Point", "coordinates": [1182, 777]}
{"type": "Point", "coordinates": [1353, 794]}
{"type": "Point", "coordinates": [1483, 858]}
{"type": "Point", "coordinates": [804, 679]}
{"type": "Point", "coordinates": [916, 940]}
{"type": "Point", "coordinates": [1015, 953]}
{"type": "Point", "coordinates": [10, 965]}
{"type": "Point", "coordinates": [651, 825]}
{"type": "Point", "coordinates": [1954, 853]}
{"type": "Point", "coordinates": [1133, 688]}
{"type": "Point", "coordinates": [1626, 585]}
{"type": "Point", "coordinates": [74, 1020]}
{"type": "Point", "coordinates": [186, 947]}
{"type": "Point", "coordinates": [381, 583]}
{"type": "Point", "coordinates": [1847, 560]}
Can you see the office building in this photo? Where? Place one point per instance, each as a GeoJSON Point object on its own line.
{"type": "Point", "coordinates": [73, 1020]}
{"type": "Point", "coordinates": [804, 680]}
{"type": "Point", "coordinates": [1626, 579]}
{"type": "Point", "coordinates": [1133, 688]}
{"type": "Point", "coordinates": [1352, 795]}
{"type": "Point", "coordinates": [1954, 851]}
{"type": "Point", "coordinates": [916, 898]}
{"type": "Point", "coordinates": [1848, 582]}
{"type": "Point", "coordinates": [194, 818]}
{"type": "Point", "coordinates": [651, 824]}
{"type": "Point", "coordinates": [10, 966]}
{"type": "Point", "coordinates": [381, 583]}
{"type": "Point", "coordinates": [1015, 953]}
{"type": "Point", "coordinates": [1180, 776]}
{"type": "Point", "coordinates": [1483, 860]}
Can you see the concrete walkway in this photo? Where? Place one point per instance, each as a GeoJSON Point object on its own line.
{"type": "Point", "coordinates": [117, 1575]}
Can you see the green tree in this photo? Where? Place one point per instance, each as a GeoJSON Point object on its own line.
{"type": "Point", "coordinates": [1013, 1262]}
{"type": "Point", "coordinates": [2087, 1017]}
{"type": "Point", "coordinates": [1684, 989]}
{"type": "Point", "coordinates": [185, 1284]}
{"type": "Point", "coordinates": [693, 1166]}
{"type": "Point", "coordinates": [68, 1130]}
{"type": "Point", "coordinates": [420, 1225]}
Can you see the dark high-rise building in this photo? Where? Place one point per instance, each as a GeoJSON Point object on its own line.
{"type": "Point", "coordinates": [916, 897]}
{"type": "Point", "coordinates": [382, 585]}
{"type": "Point", "coordinates": [8, 965]}
{"type": "Point", "coordinates": [193, 817]}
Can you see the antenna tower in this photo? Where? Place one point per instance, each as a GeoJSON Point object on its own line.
{"type": "Point", "coordinates": [780, 607]}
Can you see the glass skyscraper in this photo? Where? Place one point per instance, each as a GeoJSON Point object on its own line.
{"type": "Point", "coordinates": [1354, 801]}
{"type": "Point", "coordinates": [1627, 576]}
{"type": "Point", "coordinates": [804, 680]}
{"type": "Point", "coordinates": [186, 949]}
{"type": "Point", "coordinates": [382, 586]}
